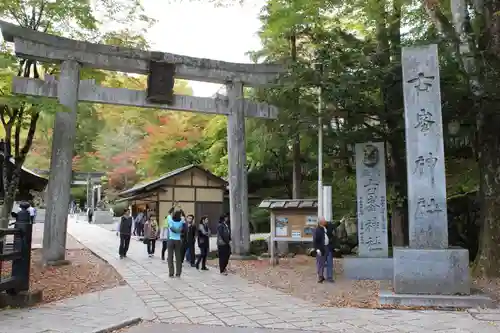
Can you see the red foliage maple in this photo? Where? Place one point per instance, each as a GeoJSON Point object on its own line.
{"type": "Point", "coordinates": [151, 129]}
{"type": "Point", "coordinates": [122, 176]}
{"type": "Point", "coordinates": [164, 120]}
{"type": "Point", "coordinates": [181, 143]}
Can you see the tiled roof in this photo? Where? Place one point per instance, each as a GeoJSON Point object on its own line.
{"type": "Point", "coordinates": [152, 184]}
{"type": "Point", "coordinates": [289, 203]}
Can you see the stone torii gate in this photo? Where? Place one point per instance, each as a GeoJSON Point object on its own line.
{"type": "Point", "coordinates": [161, 69]}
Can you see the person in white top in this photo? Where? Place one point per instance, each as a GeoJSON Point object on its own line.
{"type": "Point", "coordinates": [32, 211]}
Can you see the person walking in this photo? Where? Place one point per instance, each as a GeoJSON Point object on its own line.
{"type": "Point", "coordinates": [190, 240]}
{"type": "Point", "coordinates": [138, 221]}
{"type": "Point", "coordinates": [320, 242]}
{"type": "Point", "coordinates": [183, 237]}
{"type": "Point", "coordinates": [203, 243]}
{"type": "Point", "coordinates": [32, 212]}
{"type": "Point", "coordinates": [90, 214]}
{"type": "Point", "coordinates": [124, 230]}
{"type": "Point", "coordinates": [174, 246]}
{"type": "Point", "coordinates": [164, 233]}
{"type": "Point", "coordinates": [223, 244]}
{"type": "Point", "coordinates": [151, 233]}
{"type": "Point", "coordinates": [330, 248]}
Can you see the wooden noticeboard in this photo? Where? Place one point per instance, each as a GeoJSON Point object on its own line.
{"type": "Point", "coordinates": [293, 225]}
{"type": "Point", "coordinates": [292, 220]}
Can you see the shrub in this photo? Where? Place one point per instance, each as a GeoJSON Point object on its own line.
{"type": "Point", "coordinates": [258, 246]}
{"type": "Point", "coordinates": [119, 209]}
{"type": "Point", "coordinates": [259, 219]}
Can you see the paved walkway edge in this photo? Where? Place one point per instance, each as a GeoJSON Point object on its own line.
{"type": "Point", "coordinates": [123, 324]}
{"type": "Point", "coordinates": [100, 311]}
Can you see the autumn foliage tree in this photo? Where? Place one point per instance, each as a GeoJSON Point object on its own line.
{"type": "Point", "coordinates": [19, 116]}
{"type": "Point", "coordinates": [124, 173]}
{"type": "Point", "coordinates": [171, 142]}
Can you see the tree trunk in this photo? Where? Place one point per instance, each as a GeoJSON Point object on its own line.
{"type": "Point", "coordinates": [6, 209]}
{"type": "Point", "coordinates": [9, 198]}
{"type": "Point", "coordinates": [487, 263]}
{"type": "Point", "coordinates": [393, 101]}
{"type": "Point", "coordinates": [11, 173]}
{"type": "Point", "coordinates": [296, 168]}
{"type": "Point", "coordinates": [397, 178]}
{"type": "Point", "coordinates": [397, 223]}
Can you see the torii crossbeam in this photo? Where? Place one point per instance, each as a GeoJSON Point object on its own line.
{"type": "Point", "coordinates": [72, 55]}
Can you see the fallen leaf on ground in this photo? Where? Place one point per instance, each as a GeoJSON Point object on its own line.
{"type": "Point", "coordinates": [297, 277]}
{"type": "Point", "coordinates": [85, 273]}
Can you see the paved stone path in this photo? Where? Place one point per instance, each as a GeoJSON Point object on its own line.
{"type": "Point", "coordinates": [213, 239]}
{"type": "Point", "coordinates": [83, 314]}
{"type": "Point", "coordinates": [208, 298]}
{"type": "Point", "coordinates": [193, 328]}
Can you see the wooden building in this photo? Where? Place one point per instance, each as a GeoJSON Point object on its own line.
{"type": "Point", "coordinates": [191, 188]}
{"type": "Point", "coordinates": [28, 181]}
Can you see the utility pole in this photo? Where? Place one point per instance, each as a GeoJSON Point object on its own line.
{"type": "Point", "coordinates": [318, 67]}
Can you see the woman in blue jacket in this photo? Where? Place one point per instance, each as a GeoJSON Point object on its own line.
{"type": "Point", "coordinates": [174, 244]}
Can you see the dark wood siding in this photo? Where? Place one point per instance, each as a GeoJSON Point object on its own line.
{"type": "Point", "coordinates": [213, 210]}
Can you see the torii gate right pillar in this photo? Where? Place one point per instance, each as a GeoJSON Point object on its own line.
{"type": "Point", "coordinates": [238, 185]}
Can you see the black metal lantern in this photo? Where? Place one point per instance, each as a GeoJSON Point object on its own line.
{"type": "Point", "coordinates": [161, 79]}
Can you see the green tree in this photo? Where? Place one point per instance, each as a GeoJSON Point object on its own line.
{"type": "Point", "coordinates": [69, 18]}
{"type": "Point", "coordinates": [359, 44]}
{"type": "Point", "coordinates": [472, 37]}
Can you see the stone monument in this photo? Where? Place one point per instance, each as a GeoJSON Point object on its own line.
{"type": "Point", "coordinates": [371, 202]}
{"type": "Point", "coordinates": [373, 244]}
{"type": "Point", "coordinates": [428, 273]}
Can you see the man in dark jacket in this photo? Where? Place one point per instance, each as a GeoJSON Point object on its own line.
{"type": "Point", "coordinates": [124, 230]}
{"type": "Point", "coordinates": [203, 233]}
{"type": "Point", "coordinates": [190, 240]}
{"type": "Point", "coordinates": [223, 243]}
{"type": "Point", "coordinates": [321, 243]}
{"type": "Point", "coordinates": [332, 244]}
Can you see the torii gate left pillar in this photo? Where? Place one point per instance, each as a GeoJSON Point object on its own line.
{"type": "Point", "coordinates": [59, 187]}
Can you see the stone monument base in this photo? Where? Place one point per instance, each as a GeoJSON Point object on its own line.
{"type": "Point", "coordinates": [57, 263]}
{"type": "Point", "coordinates": [356, 268]}
{"type": "Point", "coordinates": [21, 300]}
{"type": "Point", "coordinates": [103, 217]}
{"type": "Point", "coordinates": [243, 257]}
{"type": "Point", "coordinates": [431, 272]}
{"type": "Point", "coordinates": [474, 300]}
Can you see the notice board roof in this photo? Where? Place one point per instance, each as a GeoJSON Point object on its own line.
{"type": "Point", "coordinates": [289, 204]}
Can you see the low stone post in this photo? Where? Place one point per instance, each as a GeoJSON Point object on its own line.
{"type": "Point", "coordinates": [22, 243]}
{"type": "Point", "coordinates": [98, 193]}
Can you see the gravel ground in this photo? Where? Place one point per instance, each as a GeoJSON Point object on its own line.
{"type": "Point", "coordinates": [296, 276]}
{"type": "Point", "coordinates": [85, 273]}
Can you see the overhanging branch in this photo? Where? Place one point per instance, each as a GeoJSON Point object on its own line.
{"type": "Point", "coordinates": [17, 133]}
{"type": "Point", "coordinates": [440, 21]}
{"type": "Point", "coordinates": [31, 134]}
